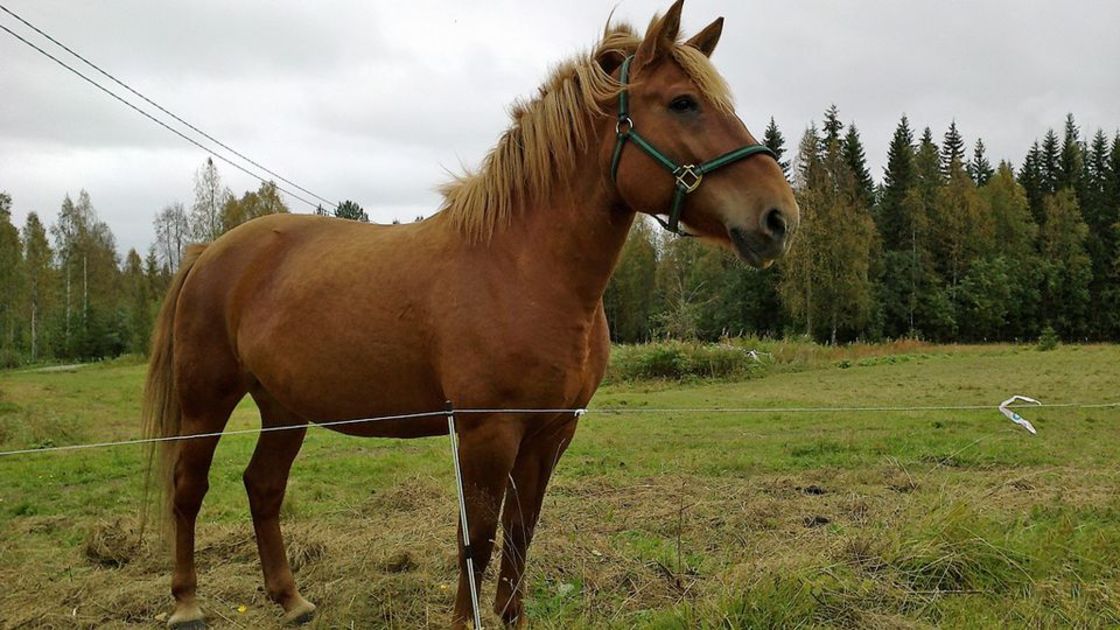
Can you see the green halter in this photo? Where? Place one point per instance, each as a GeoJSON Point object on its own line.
{"type": "Point", "coordinates": [688, 176]}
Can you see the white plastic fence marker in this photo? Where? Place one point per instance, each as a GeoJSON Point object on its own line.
{"type": "Point", "coordinates": [467, 551]}
{"type": "Point", "coordinates": [757, 355]}
{"type": "Point", "coordinates": [1016, 418]}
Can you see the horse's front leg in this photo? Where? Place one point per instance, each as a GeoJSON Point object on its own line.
{"type": "Point", "coordinates": [487, 450]}
{"type": "Point", "coordinates": [531, 471]}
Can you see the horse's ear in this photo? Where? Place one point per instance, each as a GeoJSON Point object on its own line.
{"type": "Point", "coordinates": [705, 41]}
{"type": "Point", "coordinates": [660, 37]}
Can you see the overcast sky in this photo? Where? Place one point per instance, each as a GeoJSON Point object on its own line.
{"type": "Point", "coordinates": [376, 101]}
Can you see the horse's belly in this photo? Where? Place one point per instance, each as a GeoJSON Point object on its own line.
{"type": "Point", "coordinates": [329, 375]}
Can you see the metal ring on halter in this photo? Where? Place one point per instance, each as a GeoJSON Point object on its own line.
{"type": "Point", "coordinates": [688, 178]}
{"type": "Point", "coordinates": [618, 125]}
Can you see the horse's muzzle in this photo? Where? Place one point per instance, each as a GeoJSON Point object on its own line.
{"type": "Point", "coordinates": [760, 247]}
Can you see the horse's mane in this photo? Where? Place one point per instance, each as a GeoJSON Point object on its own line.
{"type": "Point", "coordinates": [550, 130]}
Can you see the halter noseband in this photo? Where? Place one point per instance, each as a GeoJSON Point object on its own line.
{"type": "Point", "coordinates": [688, 176]}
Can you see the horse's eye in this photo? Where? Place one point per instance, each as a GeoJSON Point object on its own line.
{"type": "Point", "coordinates": [683, 104]}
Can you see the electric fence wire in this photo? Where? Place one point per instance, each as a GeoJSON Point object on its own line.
{"type": "Point", "coordinates": [550, 411]}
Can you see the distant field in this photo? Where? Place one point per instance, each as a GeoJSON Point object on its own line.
{"type": "Point", "coordinates": [659, 520]}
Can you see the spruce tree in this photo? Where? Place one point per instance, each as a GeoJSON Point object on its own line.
{"type": "Point", "coordinates": [952, 149]}
{"type": "Point", "coordinates": [933, 311]}
{"type": "Point", "coordinates": [857, 161]}
{"type": "Point", "coordinates": [898, 180]}
{"type": "Point", "coordinates": [1110, 296]}
{"type": "Point", "coordinates": [832, 126]}
{"type": "Point", "coordinates": [138, 301]}
{"type": "Point", "coordinates": [774, 140]}
{"type": "Point", "coordinates": [979, 168]}
{"type": "Point", "coordinates": [927, 170]}
{"type": "Point", "coordinates": [912, 298]}
{"type": "Point", "coordinates": [1114, 169]}
{"type": "Point", "coordinates": [1071, 160]}
{"type": "Point", "coordinates": [1032, 181]}
{"type": "Point", "coordinates": [927, 160]}
{"type": "Point", "coordinates": [157, 276]}
{"type": "Point", "coordinates": [1050, 164]}
{"type": "Point", "coordinates": [1101, 212]}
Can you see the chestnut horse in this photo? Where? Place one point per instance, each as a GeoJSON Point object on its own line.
{"type": "Point", "coordinates": [494, 302]}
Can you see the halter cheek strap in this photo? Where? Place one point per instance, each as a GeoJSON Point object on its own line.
{"type": "Point", "coordinates": [688, 176]}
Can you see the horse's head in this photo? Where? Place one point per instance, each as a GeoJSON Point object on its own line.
{"type": "Point", "coordinates": [676, 115]}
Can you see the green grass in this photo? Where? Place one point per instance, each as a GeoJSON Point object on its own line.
{"type": "Point", "coordinates": [654, 519]}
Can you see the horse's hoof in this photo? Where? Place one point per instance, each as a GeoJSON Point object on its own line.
{"type": "Point", "coordinates": [303, 612]}
{"type": "Point", "coordinates": [187, 616]}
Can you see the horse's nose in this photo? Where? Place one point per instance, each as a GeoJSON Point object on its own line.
{"type": "Point", "coordinates": [774, 228]}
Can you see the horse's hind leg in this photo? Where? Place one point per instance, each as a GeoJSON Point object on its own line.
{"type": "Point", "coordinates": [265, 481]}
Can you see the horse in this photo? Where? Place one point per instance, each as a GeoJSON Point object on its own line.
{"type": "Point", "coordinates": [494, 302]}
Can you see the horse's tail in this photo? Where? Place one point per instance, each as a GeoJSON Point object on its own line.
{"type": "Point", "coordinates": [161, 413]}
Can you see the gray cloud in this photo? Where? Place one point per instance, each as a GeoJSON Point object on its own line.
{"type": "Point", "coordinates": [375, 101]}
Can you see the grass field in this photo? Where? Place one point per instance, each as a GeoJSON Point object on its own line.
{"type": "Point", "coordinates": [660, 520]}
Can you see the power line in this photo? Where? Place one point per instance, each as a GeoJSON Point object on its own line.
{"type": "Point", "coordinates": [162, 109]}
{"type": "Point", "coordinates": [153, 118]}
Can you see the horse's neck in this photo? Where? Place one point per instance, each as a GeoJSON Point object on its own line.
{"type": "Point", "coordinates": [571, 243]}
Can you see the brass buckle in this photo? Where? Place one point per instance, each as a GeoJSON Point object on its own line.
{"type": "Point", "coordinates": [688, 179]}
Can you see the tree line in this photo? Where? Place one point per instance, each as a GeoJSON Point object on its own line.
{"type": "Point", "coordinates": [67, 294]}
{"type": "Point", "coordinates": [946, 247]}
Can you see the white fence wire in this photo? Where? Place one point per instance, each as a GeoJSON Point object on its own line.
{"type": "Point", "coordinates": [615, 410]}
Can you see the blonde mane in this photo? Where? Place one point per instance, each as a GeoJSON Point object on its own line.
{"type": "Point", "coordinates": [551, 130]}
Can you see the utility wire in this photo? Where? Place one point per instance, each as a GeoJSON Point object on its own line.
{"type": "Point", "coordinates": [153, 118]}
{"type": "Point", "coordinates": [162, 109]}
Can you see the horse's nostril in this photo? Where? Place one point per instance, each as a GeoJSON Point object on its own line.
{"type": "Point", "coordinates": [774, 224]}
